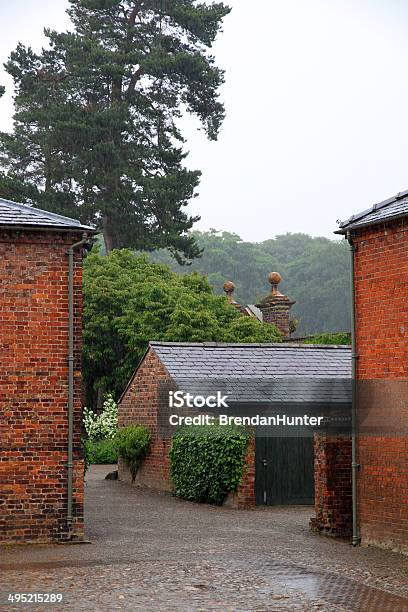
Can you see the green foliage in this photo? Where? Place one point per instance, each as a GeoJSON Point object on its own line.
{"type": "Point", "coordinates": [340, 338]}
{"type": "Point", "coordinates": [206, 463]}
{"type": "Point", "coordinates": [103, 425]}
{"type": "Point", "coordinates": [315, 273]}
{"type": "Point", "coordinates": [132, 444]}
{"type": "Point", "coordinates": [101, 451]}
{"type": "Point", "coordinates": [96, 124]}
{"type": "Point", "coordinates": [130, 300]}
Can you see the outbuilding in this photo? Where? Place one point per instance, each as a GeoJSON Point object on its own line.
{"type": "Point", "coordinates": [275, 381]}
{"type": "Point", "coordinates": [41, 465]}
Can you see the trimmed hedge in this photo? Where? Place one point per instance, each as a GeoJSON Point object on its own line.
{"type": "Point", "coordinates": [207, 462]}
{"type": "Point", "coordinates": [132, 443]}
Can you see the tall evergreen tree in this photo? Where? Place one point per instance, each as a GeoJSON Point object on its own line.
{"type": "Point", "coordinates": [96, 124]}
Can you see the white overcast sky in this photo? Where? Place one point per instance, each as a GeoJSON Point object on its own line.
{"type": "Point", "coordinates": [316, 96]}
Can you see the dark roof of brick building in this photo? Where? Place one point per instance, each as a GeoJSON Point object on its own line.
{"type": "Point", "coordinates": [392, 208]}
{"type": "Point", "coordinates": [260, 372]}
{"type": "Point", "coordinates": [13, 214]}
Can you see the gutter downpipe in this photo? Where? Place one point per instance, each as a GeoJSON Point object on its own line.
{"type": "Point", "coordinates": [354, 463]}
{"type": "Point", "coordinates": [71, 379]}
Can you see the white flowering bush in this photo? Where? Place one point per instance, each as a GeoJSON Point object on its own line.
{"type": "Point", "coordinates": [103, 425]}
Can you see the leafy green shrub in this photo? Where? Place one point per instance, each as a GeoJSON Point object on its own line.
{"type": "Point", "coordinates": [206, 463]}
{"type": "Point", "coordinates": [101, 451]}
{"type": "Point", "coordinates": [328, 338]}
{"type": "Point", "coordinates": [132, 444]}
{"type": "Point", "coordinates": [103, 425]}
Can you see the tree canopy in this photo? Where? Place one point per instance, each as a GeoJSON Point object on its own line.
{"type": "Point", "coordinates": [129, 300]}
{"type": "Point", "coordinates": [315, 273]}
{"type": "Point", "coordinates": [96, 125]}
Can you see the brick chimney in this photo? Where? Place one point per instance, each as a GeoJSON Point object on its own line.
{"type": "Point", "coordinates": [275, 307]}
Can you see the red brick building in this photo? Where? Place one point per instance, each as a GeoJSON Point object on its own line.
{"type": "Point", "coordinates": [379, 239]}
{"type": "Point", "coordinates": [40, 375]}
{"type": "Point", "coordinates": [266, 379]}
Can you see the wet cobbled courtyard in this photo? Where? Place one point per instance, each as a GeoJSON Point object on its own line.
{"type": "Point", "coordinates": [149, 551]}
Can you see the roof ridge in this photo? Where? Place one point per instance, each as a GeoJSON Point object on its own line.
{"type": "Point", "coordinates": [278, 345]}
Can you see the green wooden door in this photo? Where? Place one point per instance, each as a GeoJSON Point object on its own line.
{"type": "Point", "coordinates": [284, 471]}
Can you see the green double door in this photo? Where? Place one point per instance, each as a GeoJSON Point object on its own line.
{"type": "Point", "coordinates": [284, 471]}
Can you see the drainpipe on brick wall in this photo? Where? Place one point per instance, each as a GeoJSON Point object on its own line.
{"type": "Point", "coordinates": [71, 379]}
{"type": "Point", "coordinates": [354, 463]}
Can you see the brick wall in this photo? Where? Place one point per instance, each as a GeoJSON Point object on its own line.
{"type": "Point", "coordinates": [139, 405]}
{"type": "Point", "coordinates": [333, 505]}
{"type": "Point", "coordinates": [144, 403]}
{"type": "Point", "coordinates": [34, 387]}
{"type": "Point", "coordinates": [381, 281]}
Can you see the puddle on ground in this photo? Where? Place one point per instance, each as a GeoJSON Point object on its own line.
{"type": "Point", "coordinates": [327, 587]}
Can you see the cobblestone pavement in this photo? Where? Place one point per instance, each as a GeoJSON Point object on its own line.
{"type": "Point", "coordinates": [153, 552]}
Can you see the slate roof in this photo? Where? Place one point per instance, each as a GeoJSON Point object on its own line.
{"type": "Point", "coordinates": [260, 372]}
{"type": "Point", "coordinates": [392, 208]}
{"type": "Point", "coordinates": [13, 214]}
{"type": "Point", "coordinates": [254, 311]}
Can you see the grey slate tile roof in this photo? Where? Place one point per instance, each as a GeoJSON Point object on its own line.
{"type": "Point", "coordinates": [392, 208]}
{"type": "Point", "coordinates": [257, 312]}
{"type": "Point", "coordinates": [14, 214]}
{"type": "Point", "coordinates": [260, 372]}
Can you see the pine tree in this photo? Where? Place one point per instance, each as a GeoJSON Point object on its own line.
{"type": "Point", "coordinates": [96, 125]}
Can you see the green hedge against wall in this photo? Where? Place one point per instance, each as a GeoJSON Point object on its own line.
{"type": "Point", "coordinates": [207, 462]}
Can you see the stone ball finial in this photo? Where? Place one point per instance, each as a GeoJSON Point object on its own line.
{"type": "Point", "coordinates": [229, 289]}
{"type": "Point", "coordinates": [274, 278]}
